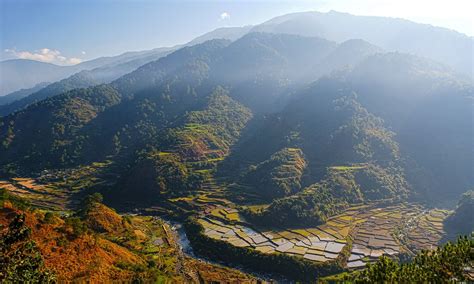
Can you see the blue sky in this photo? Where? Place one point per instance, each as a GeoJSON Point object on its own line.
{"type": "Point", "coordinates": [70, 31]}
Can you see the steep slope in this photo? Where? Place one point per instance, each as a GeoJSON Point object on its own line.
{"type": "Point", "coordinates": [76, 81]}
{"type": "Point", "coordinates": [261, 68]}
{"type": "Point", "coordinates": [336, 191]}
{"type": "Point", "coordinates": [175, 106]}
{"type": "Point", "coordinates": [351, 156]}
{"type": "Point", "coordinates": [347, 55]}
{"type": "Point", "coordinates": [426, 107]}
{"type": "Point", "coordinates": [25, 74]}
{"type": "Point", "coordinates": [188, 151]}
{"type": "Point", "coordinates": [278, 176]}
{"type": "Point", "coordinates": [431, 111]}
{"type": "Point", "coordinates": [329, 124]}
{"type": "Point", "coordinates": [51, 125]}
{"type": "Point", "coordinates": [171, 84]}
{"type": "Point", "coordinates": [100, 246]}
{"type": "Point", "coordinates": [63, 116]}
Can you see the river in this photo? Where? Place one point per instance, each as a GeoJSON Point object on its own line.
{"type": "Point", "coordinates": [185, 246]}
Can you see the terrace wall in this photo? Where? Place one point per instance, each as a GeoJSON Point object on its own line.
{"type": "Point", "coordinates": [290, 267]}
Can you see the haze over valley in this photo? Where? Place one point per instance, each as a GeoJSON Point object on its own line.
{"type": "Point", "coordinates": [313, 146]}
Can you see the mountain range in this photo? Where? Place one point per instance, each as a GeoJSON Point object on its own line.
{"type": "Point", "coordinates": [283, 125]}
{"type": "Point", "coordinates": [391, 112]}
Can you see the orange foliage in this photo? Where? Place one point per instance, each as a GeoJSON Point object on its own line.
{"type": "Point", "coordinates": [88, 257]}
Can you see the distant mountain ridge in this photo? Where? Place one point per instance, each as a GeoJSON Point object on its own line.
{"type": "Point", "coordinates": [17, 95]}
{"type": "Point", "coordinates": [440, 44]}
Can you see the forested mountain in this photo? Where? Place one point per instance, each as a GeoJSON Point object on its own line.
{"type": "Point", "coordinates": [295, 142]}
{"type": "Point", "coordinates": [76, 81]}
{"type": "Point", "coordinates": [376, 111]}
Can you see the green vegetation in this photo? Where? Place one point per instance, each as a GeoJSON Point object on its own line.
{"type": "Point", "coordinates": [190, 151]}
{"type": "Point", "coordinates": [16, 201]}
{"type": "Point", "coordinates": [52, 134]}
{"type": "Point", "coordinates": [20, 258]}
{"type": "Point", "coordinates": [78, 226]}
{"type": "Point", "coordinates": [278, 176]}
{"type": "Point", "coordinates": [76, 81]}
{"type": "Point", "coordinates": [347, 168]}
{"type": "Point", "coordinates": [445, 264]}
{"type": "Point", "coordinates": [462, 221]}
{"type": "Point", "coordinates": [240, 120]}
{"type": "Point", "coordinates": [336, 191]}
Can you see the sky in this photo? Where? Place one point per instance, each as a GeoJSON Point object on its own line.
{"type": "Point", "coordinates": [66, 32]}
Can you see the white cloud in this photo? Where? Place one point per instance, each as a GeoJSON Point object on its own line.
{"type": "Point", "coordinates": [45, 55]}
{"type": "Point", "coordinates": [224, 16]}
{"type": "Point", "coordinates": [74, 60]}
{"type": "Point", "coordinates": [83, 52]}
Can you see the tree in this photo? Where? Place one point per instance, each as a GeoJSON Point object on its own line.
{"type": "Point", "coordinates": [445, 264]}
{"type": "Point", "coordinates": [20, 258]}
{"type": "Point", "coordinates": [91, 200]}
{"type": "Point", "coordinates": [78, 226]}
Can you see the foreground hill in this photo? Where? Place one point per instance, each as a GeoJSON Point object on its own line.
{"type": "Point", "coordinates": [96, 245]}
{"type": "Point", "coordinates": [451, 262]}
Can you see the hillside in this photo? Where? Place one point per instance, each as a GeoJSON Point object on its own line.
{"type": "Point", "coordinates": [338, 120]}
{"type": "Point", "coordinates": [278, 176]}
{"type": "Point", "coordinates": [277, 147]}
{"type": "Point", "coordinates": [312, 147]}
{"type": "Point", "coordinates": [80, 248]}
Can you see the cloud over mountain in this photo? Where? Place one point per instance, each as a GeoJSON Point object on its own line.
{"type": "Point", "coordinates": [45, 55]}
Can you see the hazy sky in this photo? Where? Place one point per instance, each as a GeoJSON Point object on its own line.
{"type": "Point", "coordinates": [70, 31]}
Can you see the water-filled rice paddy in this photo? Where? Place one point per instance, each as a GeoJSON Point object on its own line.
{"type": "Point", "coordinates": [357, 236]}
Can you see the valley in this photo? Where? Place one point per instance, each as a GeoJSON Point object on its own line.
{"type": "Point", "coordinates": [307, 148]}
{"type": "Point", "coordinates": [359, 234]}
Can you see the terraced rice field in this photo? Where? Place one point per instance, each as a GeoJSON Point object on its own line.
{"type": "Point", "coordinates": [368, 232]}
{"type": "Point", "coordinates": [40, 195]}
{"type": "Point", "coordinates": [426, 230]}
